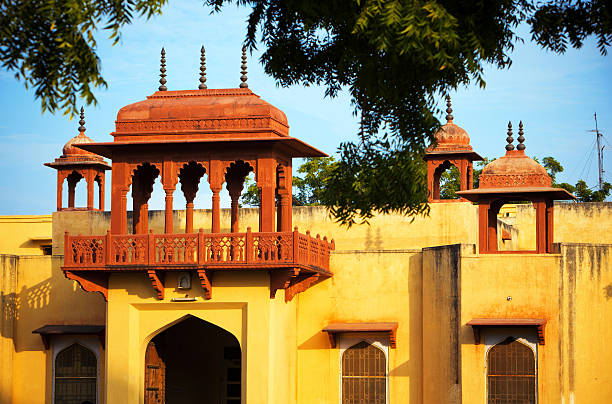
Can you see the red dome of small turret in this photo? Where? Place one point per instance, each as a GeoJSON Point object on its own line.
{"type": "Point", "coordinates": [515, 169]}
{"type": "Point", "coordinates": [70, 149]}
{"type": "Point", "coordinates": [451, 137]}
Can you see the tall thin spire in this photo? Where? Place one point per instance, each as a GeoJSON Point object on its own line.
{"type": "Point", "coordinates": [162, 71]}
{"type": "Point", "coordinates": [82, 121]}
{"type": "Point", "coordinates": [509, 139]}
{"type": "Point", "coordinates": [521, 138]}
{"type": "Point", "coordinates": [449, 110]}
{"type": "Point", "coordinates": [243, 78]}
{"type": "Point", "coordinates": [202, 85]}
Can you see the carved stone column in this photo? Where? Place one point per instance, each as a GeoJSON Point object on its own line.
{"type": "Point", "coordinates": [89, 178]}
{"type": "Point", "coordinates": [266, 182]}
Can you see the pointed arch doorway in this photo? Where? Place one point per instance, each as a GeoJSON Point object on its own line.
{"type": "Point", "coordinates": [193, 362]}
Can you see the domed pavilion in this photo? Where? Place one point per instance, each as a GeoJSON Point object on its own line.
{"type": "Point", "coordinates": [515, 177]}
{"type": "Point", "coordinates": [180, 136]}
{"type": "Point", "coordinates": [75, 164]}
{"type": "Point", "coordinates": [452, 148]}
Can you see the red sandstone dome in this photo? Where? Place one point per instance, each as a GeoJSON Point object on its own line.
{"type": "Point", "coordinates": [231, 113]}
{"type": "Point", "coordinates": [452, 137]}
{"type": "Point", "coordinates": [70, 149]}
{"type": "Point", "coordinates": [515, 169]}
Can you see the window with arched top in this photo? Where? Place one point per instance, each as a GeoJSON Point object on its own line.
{"type": "Point", "coordinates": [511, 373]}
{"type": "Point", "coordinates": [76, 371]}
{"type": "Point", "coordinates": [364, 375]}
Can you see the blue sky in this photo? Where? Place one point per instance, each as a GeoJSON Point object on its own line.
{"type": "Point", "coordinates": [554, 95]}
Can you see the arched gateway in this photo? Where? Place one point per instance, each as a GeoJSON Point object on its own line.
{"type": "Point", "coordinates": [193, 362]}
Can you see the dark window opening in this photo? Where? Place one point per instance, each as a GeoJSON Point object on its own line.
{"type": "Point", "coordinates": [364, 375]}
{"type": "Point", "coordinates": [511, 376]}
{"type": "Point", "coordinates": [76, 370]}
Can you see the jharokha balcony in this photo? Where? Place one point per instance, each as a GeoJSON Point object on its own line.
{"type": "Point", "coordinates": [295, 260]}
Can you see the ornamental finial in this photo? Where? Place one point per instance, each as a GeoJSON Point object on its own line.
{"type": "Point", "coordinates": [202, 85]}
{"type": "Point", "coordinates": [521, 138]}
{"type": "Point", "coordinates": [162, 70]}
{"type": "Point", "coordinates": [243, 78]}
{"type": "Point", "coordinates": [509, 139]}
{"type": "Point", "coordinates": [82, 121]}
{"type": "Point", "coordinates": [449, 110]}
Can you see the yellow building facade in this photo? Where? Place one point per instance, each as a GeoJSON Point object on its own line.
{"type": "Point", "coordinates": [382, 273]}
{"type": "Point", "coordinates": [410, 310]}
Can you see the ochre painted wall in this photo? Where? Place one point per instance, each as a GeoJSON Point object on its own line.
{"type": "Point", "coordinates": [572, 291]}
{"type": "Point", "coordinates": [446, 224]}
{"type": "Point", "coordinates": [588, 222]}
{"type": "Point", "coordinates": [25, 234]}
{"type": "Point", "coordinates": [411, 272]}
{"type": "Point", "coordinates": [43, 296]}
{"type": "Point", "coordinates": [241, 305]}
{"type": "Point", "coordinates": [367, 286]}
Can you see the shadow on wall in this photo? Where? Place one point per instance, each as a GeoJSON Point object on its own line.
{"type": "Point", "coordinates": [44, 297]}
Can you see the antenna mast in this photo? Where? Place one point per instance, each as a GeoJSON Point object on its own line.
{"type": "Point", "coordinates": [600, 148]}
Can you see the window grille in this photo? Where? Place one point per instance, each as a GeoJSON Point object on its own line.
{"type": "Point", "coordinates": [511, 376]}
{"type": "Point", "coordinates": [364, 375]}
{"type": "Point", "coordinates": [76, 370]}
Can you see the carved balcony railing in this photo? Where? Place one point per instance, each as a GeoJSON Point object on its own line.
{"type": "Point", "coordinates": [198, 250]}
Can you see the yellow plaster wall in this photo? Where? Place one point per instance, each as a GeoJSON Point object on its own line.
{"type": "Point", "coordinates": [584, 222]}
{"type": "Point", "coordinates": [367, 286]}
{"type": "Point", "coordinates": [8, 317]}
{"type": "Point", "coordinates": [241, 305]}
{"type": "Point", "coordinates": [585, 319]}
{"type": "Point", "coordinates": [571, 290]}
{"type": "Point", "coordinates": [447, 223]}
{"type": "Point", "coordinates": [25, 234]}
{"type": "Point", "coordinates": [532, 282]}
{"type": "Point", "coordinates": [43, 296]}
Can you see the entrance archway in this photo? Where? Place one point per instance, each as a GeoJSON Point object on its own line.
{"type": "Point", "coordinates": [193, 362]}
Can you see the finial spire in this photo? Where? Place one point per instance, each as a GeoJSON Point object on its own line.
{"type": "Point", "coordinates": [202, 85]}
{"type": "Point", "coordinates": [449, 110]}
{"type": "Point", "coordinates": [162, 71]}
{"type": "Point", "coordinates": [509, 139]}
{"type": "Point", "coordinates": [82, 121]}
{"type": "Point", "coordinates": [521, 138]}
{"type": "Point", "coordinates": [243, 78]}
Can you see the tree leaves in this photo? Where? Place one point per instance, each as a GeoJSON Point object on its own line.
{"type": "Point", "coordinates": [50, 44]}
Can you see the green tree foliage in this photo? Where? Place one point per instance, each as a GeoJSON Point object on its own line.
{"type": "Point", "coordinates": [308, 186]}
{"type": "Point", "coordinates": [311, 184]}
{"type": "Point", "coordinates": [395, 57]}
{"type": "Point", "coordinates": [584, 194]}
{"type": "Point", "coordinates": [50, 44]}
{"type": "Point", "coordinates": [250, 197]}
{"type": "Point", "coordinates": [449, 180]}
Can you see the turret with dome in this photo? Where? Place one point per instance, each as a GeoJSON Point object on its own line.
{"type": "Point", "coordinates": [515, 177]}
{"type": "Point", "coordinates": [451, 148]}
{"type": "Point", "coordinates": [75, 164]}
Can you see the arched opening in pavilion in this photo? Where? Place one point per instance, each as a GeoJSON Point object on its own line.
{"type": "Point", "coordinates": [193, 362]}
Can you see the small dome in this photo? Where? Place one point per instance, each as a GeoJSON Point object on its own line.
{"type": "Point", "coordinates": [451, 136]}
{"type": "Point", "coordinates": [514, 170]}
{"type": "Point", "coordinates": [70, 150]}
